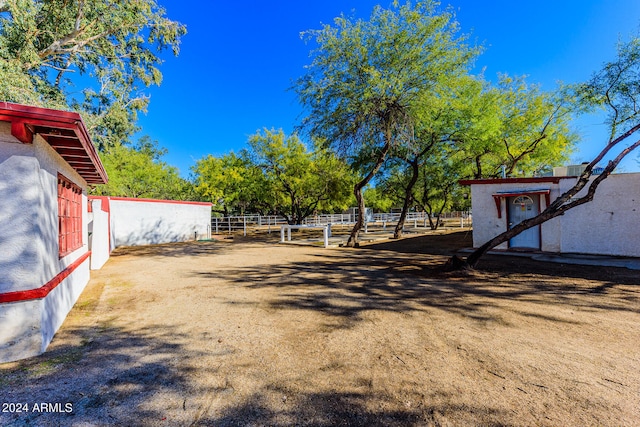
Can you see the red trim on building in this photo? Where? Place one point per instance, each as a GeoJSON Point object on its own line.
{"type": "Point", "coordinates": [105, 202]}
{"type": "Point", "coordinates": [177, 202]}
{"type": "Point", "coordinates": [44, 290]}
{"type": "Point", "coordinates": [64, 131]}
{"type": "Point", "coordinates": [498, 196]}
{"type": "Point", "coordinates": [533, 180]}
{"type": "Point", "coordinates": [106, 207]}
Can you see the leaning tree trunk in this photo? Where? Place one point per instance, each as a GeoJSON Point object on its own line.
{"type": "Point", "coordinates": [408, 198]}
{"type": "Point", "coordinates": [357, 191]}
{"type": "Point", "coordinates": [556, 208]}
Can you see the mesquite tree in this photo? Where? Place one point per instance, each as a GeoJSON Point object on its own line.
{"type": "Point", "coordinates": [366, 75]}
{"type": "Point", "coordinates": [616, 88]}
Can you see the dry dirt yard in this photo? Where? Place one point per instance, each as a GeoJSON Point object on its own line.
{"type": "Point", "coordinates": [253, 333]}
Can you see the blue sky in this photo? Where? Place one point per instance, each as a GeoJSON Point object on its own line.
{"type": "Point", "coordinates": [239, 59]}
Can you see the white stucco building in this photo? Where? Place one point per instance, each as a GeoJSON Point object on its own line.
{"type": "Point", "coordinates": [47, 161]}
{"type": "Point", "coordinates": [608, 225]}
{"type": "Point", "coordinates": [134, 222]}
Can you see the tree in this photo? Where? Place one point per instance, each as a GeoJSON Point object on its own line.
{"type": "Point", "coordinates": [378, 199]}
{"type": "Point", "coordinates": [228, 182]}
{"type": "Point", "coordinates": [534, 130]}
{"type": "Point", "coordinates": [299, 182]}
{"type": "Point", "coordinates": [616, 88]}
{"type": "Point", "coordinates": [138, 171]}
{"type": "Point", "coordinates": [48, 47]}
{"type": "Point", "coordinates": [365, 76]}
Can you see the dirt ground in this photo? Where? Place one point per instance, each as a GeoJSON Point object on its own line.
{"type": "Point", "coordinates": [250, 332]}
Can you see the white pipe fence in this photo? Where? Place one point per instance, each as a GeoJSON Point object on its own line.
{"type": "Point", "coordinates": [269, 223]}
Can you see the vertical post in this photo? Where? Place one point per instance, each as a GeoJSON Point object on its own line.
{"type": "Point", "coordinates": [281, 234]}
{"type": "Point", "coordinates": [217, 232]}
{"type": "Point", "coordinates": [325, 235]}
{"type": "Point", "coordinates": [289, 233]}
{"type": "Point", "coordinates": [229, 221]}
{"type": "Point", "coordinates": [244, 225]}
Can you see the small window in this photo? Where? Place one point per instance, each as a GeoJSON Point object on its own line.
{"type": "Point", "coordinates": [523, 200]}
{"type": "Point", "coordinates": [69, 216]}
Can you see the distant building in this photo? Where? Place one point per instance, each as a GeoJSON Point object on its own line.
{"type": "Point", "coordinates": [607, 225]}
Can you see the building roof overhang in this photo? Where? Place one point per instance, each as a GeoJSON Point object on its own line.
{"type": "Point", "coordinates": [532, 180]}
{"type": "Point", "coordinates": [64, 131]}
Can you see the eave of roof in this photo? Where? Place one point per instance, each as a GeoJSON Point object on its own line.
{"type": "Point", "coordinates": [64, 131]}
{"type": "Point", "coordinates": [533, 180]}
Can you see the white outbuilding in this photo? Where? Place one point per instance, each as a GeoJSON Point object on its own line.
{"type": "Point", "coordinates": [47, 161]}
{"type": "Point", "coordinates": [608, 225]}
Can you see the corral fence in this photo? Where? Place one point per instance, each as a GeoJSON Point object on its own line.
{"type": "Point", "coordinates": [379, 221]}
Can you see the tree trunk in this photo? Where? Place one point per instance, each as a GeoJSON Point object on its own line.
{"type": "Point", "coordinates": [408, 199]}
{"type": "Point", "coordinates": [357, 191]}
{"type": "Point", "coordinates": [560, 205]}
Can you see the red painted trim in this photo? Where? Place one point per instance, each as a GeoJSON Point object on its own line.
{"type": "Point", "coordinates": [43, 291]}
{"type": "Point", "coordinates": [498, 196]}
{"type": "Point", "coordinates": [552, 179]}
{"type": "Point", "coordinates": [106, 207]}
{"type": "Point", "coordinates": [20, 131]}
{"type": "Point", "coordinates": [497, 199]}
{"type": "Point", "coordinates": [521, 193]}
{"type": "Point", "coordinates": [177, 202]}
{"type": "Point", "coordinates": [22, 117]}
{"type": "Point", "coordinates": [105, 202]}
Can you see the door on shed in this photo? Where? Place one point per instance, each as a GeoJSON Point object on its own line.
{"type": "Point", "coordinates": [521, 208]}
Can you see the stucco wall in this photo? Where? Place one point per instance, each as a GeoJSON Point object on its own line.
{"type": "Point", "coordinates": [610, 223]}
{"type": "Point", "coordinates": [144, 222]}
{"type": "Point", "coordinates": [29, 244]}
{"type": "Point", "coordinates": [487, 225]}
{"type": "Point", "coordinates": [607, 225]}
{"type": "Point", "coordinates": [29, 213]}
{"type": "Point", "coordinates": [99, 240]}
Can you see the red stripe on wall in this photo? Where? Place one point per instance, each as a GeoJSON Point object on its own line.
{"type": "Point", "coordinates": [43, 291]}
{"type": "Point", "coordinates": [175, 202]}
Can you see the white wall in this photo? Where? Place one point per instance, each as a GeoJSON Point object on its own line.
{"type": "Point", "coordinates": [144, 222]}
{"type": "Point", "coordinates": [99, 240]}
{"type": "Point", "coordinates": [608, 225]}
{"type": "Point", "coordinates": [29, 244]}
{"type": "Point", "coordinates": [487, 225]}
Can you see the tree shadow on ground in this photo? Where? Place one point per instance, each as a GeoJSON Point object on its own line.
{"type": "Point", "coordinates": [107, 374]}
{"type": "Point", "coordinates": [193, 248]}
{"type": "Point", "coordinates": [344, 284]}
{"type": "Point", "coordinates": [345, 409]}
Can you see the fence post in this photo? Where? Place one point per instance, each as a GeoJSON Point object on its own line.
{"type": "Point", "coordinates": [325, 232]}
{"type": "Point", "coordinates": [229, 218]}
{"type": "Point", "coordinates": [244, 225]}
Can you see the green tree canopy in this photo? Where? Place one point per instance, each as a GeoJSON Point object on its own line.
{"type": "Point", "coordinates": [365, 76]}
{"type": "Point", "coordinates": [109, 49]}
{"type": "Point", "coordinates": [138, 171]}
{"type": "Point", "coordinates": [299, 182]}
{"type": "Point", "coordinates": [229, 182]}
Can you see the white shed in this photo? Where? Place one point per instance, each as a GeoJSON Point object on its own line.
{"type": "Point", "coordinates": [608, 225]}
{"type": "Point", "coordinates": [47, 161]}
